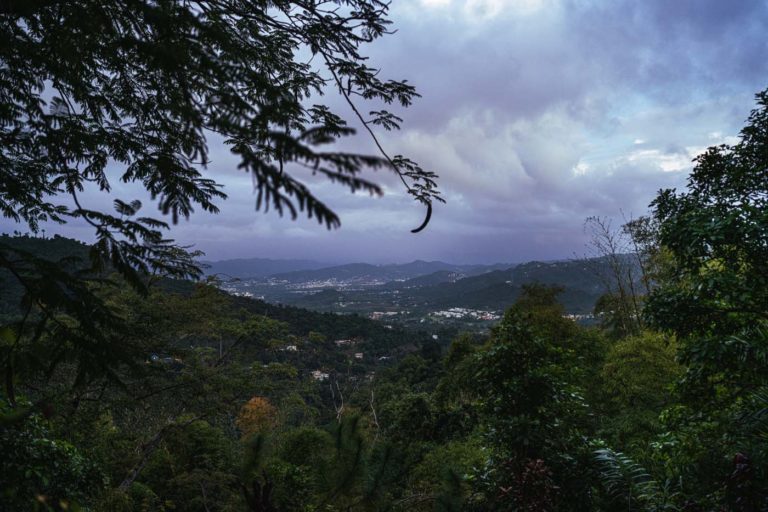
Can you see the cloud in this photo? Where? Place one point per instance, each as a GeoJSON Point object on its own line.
{"type": "Point", "coordinates": [535, 113]}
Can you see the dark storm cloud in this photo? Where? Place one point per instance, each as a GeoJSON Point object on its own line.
{"type": "Point", "coordinates": [665, 45]}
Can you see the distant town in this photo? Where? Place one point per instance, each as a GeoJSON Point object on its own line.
{"type": "Point", "coordinates": [433, 294]}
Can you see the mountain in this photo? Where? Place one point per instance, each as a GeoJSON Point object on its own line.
{"type": "Point", "coordinates": [71, 254]}
{"type": "Point", "coordinates": [582, 282]}
{"type": "Point", "coordinates": [498, 289]}
{"type": "Point", "coordinates": [259, 267]}
{"type": "Point", "coordinates": [383, 273]}
{"type": "Point", "coordinates": [374, 337]}
{"type": "Point", "coordinates": [441, 276]}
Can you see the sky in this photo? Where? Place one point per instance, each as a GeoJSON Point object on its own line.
{"type": "Point", "coordinates": [534, 113]}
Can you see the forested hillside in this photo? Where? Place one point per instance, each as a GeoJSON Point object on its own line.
{"type": "Point", "coordinates": [384, 273]}
{"type": "Point", "coordinates": [366, 289]}
{"type": "Point", "coordinates": [257, 267]}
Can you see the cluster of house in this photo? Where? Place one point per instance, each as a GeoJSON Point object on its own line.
{"type": "Point", "coordinates": [320, 375]}
{"type": "Point", "coordinates": [577, 317]}
{"type": "Point", "coordinates": [233, 290]}
{"type": "Point", "coordinates": [378, 315]}
{"type": "Point", "coordinates": [475, 314]}
{"type": "Point", "coordinates": [173, 361]}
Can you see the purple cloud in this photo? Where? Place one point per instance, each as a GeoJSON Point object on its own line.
{"type": "Point", "coordinates": [536, 114]}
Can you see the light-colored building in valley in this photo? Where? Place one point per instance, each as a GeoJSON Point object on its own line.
{"type": "Point", "coordinates": [319, 375]}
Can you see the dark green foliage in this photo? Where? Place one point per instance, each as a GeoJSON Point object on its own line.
{"type": "Point", "coordinates": [39, 470]}
{"type": "Point", "coordinates": [525, 376]}
{"type": "Point", "coordinates": [144, 85]}
{"type": "Point", "coordinates": [60, 318]}
{"type": "Point", "coordinates": [717, 234]}
{"type": "Point", "coordinates": [637, 381]}
{"type": "Point", "coordinates": [532, 406]}
{"type": "Point", "coordinates": [519, 388]}
{"type": "Point", "coordinates": [713, 298]}
{"type": "Point", "coordinates": [193, 470]}
{"type": "Point", "coordinates": [504, 425]}
{"type": "Point", "coordinates": [57, 250]}
{"type": "Point", "coordinates": [631, 485]}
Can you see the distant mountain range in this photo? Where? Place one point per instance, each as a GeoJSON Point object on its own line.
{"type": "Point", "coordinates": [417, 286]}
{"type": "Point", "coordinates": [498, 289]}
{"type": "Point", "coordinates": [386, 273]}
{"type": "Point", "coordinates": [299, 271]}
{"type": "Point", "coordinates": [258, 267]}
{"type": "Point", "coordinates": [495, 289]}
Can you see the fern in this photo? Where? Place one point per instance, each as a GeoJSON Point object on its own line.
{"type": "Point", "coordinates": [627, 481]}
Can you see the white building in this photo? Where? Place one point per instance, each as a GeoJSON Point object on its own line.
{"type": "Point", "coordinates": [320, 376]}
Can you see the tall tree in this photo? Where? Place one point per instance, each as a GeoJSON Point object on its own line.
{"type": "Point", "coordinates": [532, 409]}
{"type": "Point", "coordinates": [620, 260]}
{"type": "Point", "coordinates": [716, 299]}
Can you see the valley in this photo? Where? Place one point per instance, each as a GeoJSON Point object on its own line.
{"type": "Point", "coordinates": [424, 293]}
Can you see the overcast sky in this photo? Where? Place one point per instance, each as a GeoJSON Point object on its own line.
{"type": "Point", "coordinates": [535, 114]}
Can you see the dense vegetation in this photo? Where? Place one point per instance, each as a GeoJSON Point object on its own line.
{"type": "Point", "coordinates": [214, 412]}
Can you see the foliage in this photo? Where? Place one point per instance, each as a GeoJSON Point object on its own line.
{"type": "Point", "coordinates": [135, 93]}
{"type": "Point", "coordinates": [443, 464]}
{"type": "Point", "coordinates": [192, 471]}
{"type": "Point", "coordinates": [713, 298]}
{"type": "Point", "coordinates": [631, 484]}
{"type": "Point", "coordinates": [532, 406]}
{"type": "Point", "coordinates": [39, 471]}
{"type": "Point", "coordinates": [235, 69]}
{"type": "Point", "coordinates": [717, 298]}
{"type": "Point", "coordinates": [256, 415]}
{"type": "Point", "coordinates": [637, 380]}
{"type": "Point", "coordinates": [626, 254]}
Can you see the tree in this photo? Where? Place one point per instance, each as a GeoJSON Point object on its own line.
{"type": "Point", "coordinates": [133, 92]}
{"type": "Point", "coordinates": [532, 407]}
{"type": "Point", "coordinates": [636, 382]}
{"type": "Point", "coordinates": [716, 232]}
{"type": "Point", "coordinates": [621, 258]}
{"type": "Point", "coordinates": [37, 467]}
{"type": "Point", "coordinates": [143, 86]}
{"type": "Point", "coordinates": [715, 301]}
{"type": "Point", "coordinates": [256, 415]}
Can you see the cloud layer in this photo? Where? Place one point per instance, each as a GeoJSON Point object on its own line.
{"type": "Point", "coordinates": [536, 114]}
